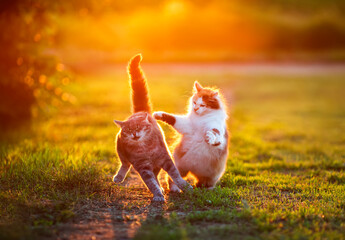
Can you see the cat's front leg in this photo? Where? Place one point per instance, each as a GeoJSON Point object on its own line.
{"type": "Point", "coordinates": [165, 117]}
{"type": "Point", "coordinates": [180, 123]}
{"type": "Point", "coordinates": [152, 184]}
{"type": "Point", "coordinates": [124, 169]}
{"type": "Point", "coordinates": [212, 137]}
{"type": "Point", "coordinates": [174, 174]}
{"type": "Point", "coordinates": [121, 174]}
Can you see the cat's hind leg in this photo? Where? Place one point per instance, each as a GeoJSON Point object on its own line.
{"type": "Point", "coordinates": [152, 184]}
{"type": "Point", "coordinates": [124, 169]}
{"type": "Point", "coordinates": [206, 182]}
{"type": "Point", "coordinates": [175, 175]}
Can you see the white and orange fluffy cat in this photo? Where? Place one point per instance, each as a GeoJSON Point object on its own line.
{"type": "Point", "coordinates": [203, 146]}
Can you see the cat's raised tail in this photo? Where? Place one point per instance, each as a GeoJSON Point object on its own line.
{"type": "Point", "coordinates": [140, 91]}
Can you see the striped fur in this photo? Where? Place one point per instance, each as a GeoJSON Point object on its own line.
{"type": "Point", "coordinates": [140, 93]}
{"type": "Point", "coordinates": [140, 142]}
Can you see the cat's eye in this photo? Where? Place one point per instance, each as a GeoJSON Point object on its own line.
{"type": "Point", "coordinates": [194, 102]}
{"type": "Point", "coordinates": [202, 105]}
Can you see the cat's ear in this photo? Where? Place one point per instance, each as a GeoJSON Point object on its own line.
{"type": "Point", "coordinates": [119, 123]}
{"type": "Point", "coordinates": [197, 86]}
{"type": "Point", "coordinates": [215, 94]}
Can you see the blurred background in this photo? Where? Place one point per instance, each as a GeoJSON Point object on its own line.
{"type": "Point", "coordinates": [45, 43]}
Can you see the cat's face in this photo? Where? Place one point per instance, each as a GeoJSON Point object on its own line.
{"type": "Point", "coordinates": [135, 129]}
{"type": "Point", "coordinates": [204, 100]}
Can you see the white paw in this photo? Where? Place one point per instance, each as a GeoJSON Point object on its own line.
{"type": "Point", "coordinates": [174, 188]}
{"type": "Point", "coordinates": [117, 179]}
{"type": "Point", "coordinates": [158, 199]}
{"type": "Point", "coordinates": [158, 115]}
{"type": "Point", "coordinates": [210, 138]}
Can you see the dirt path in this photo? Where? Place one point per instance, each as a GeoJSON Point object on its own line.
{"type": "Point", "coordinates": [119, 219]}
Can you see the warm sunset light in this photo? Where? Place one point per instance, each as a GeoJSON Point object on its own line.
{"type": "Point", "coordinates": [184, 31]}
{"type": "Point", "coordinates": [172, 119]}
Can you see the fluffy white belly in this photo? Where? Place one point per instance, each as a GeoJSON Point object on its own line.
{"type": "Point", "coordinates": [200, 158]}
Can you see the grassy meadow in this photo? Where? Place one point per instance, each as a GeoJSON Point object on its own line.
{"type": "Point", "coordinates": [285, 175]}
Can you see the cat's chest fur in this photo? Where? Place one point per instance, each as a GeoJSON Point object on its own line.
{"type": "Point", "coordinates": [194, 140]}
{"type": "Point", "coordinates": [199, 125]}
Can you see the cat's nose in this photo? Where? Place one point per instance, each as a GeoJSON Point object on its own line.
{"type": "Point", "coordinates": [196, 109]}
{"type": "Point", "coordinates": [135, 137]}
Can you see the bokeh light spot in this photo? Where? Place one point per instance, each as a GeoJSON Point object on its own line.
{"type": "Point", "coordinates": [60, 67]}
{"type": "Point", "coordinates": [20, 61]}
{"type": "Point", "coordinates": [29, 81]}
{"type": "Point", "coordinates": [58, 91]}
{"type": "Point", "coordinates": [65, 97]}
{"type": "Point", "coordinates": [42, 79]}
{"type": "Point", "coordinates": [65, 80]}
{"type": "Point", "coordinates": [37, 37]}
{"type": "Point", "coordinates": [49, 86]}
{"type": "Point", "coordinates": [37, 93]}
{"type": "Point", "coordinates": [30, 72]}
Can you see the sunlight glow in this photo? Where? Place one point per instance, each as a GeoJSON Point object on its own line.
{"type": "Point", "coordinates": [174, 30]}
{"type": "Point", "coordinates": [175, 8]}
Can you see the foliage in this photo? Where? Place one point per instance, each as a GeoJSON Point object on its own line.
{"type": "Point", "coordinates": [28, 73]}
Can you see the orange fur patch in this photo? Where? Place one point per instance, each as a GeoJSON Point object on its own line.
{"type": "Point", "coordinates": [209, 97]}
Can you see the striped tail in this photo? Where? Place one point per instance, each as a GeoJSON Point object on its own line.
{"type": "Point", "coordinates": [140, 90]}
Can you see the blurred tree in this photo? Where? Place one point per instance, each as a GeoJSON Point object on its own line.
{"type": "Point", "coordinates": [26, 73]}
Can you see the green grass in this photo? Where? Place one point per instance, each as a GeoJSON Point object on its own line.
{"type": "Point", "coordinates": [285, 176]}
